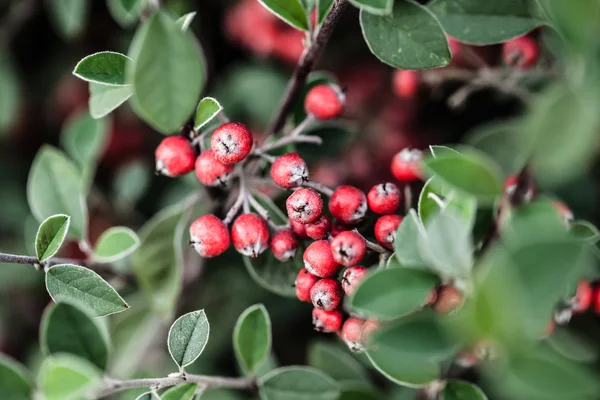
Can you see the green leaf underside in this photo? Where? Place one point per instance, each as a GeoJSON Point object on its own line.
{"type": "Point", "coordinates": [188, 337]}
{"type": "Point", "coordinates": [106, 68]}
{"type": "Point", "coordinates": [116, 243]}
{"type": "Point", "coordinates": [460, 390]}
{"type": "Point", "coordinates": [104, 99]}
{"type": "Point", "coordinates": [181, 392]}
{"type": "Point", "coordinates": [125, 12]}
{"type": "Point", "coordinates": [10, 95]}
{"type": "Point", "coordinates": [252, 338]}
{"type": "Point", "coordinates": [298, 383]}
{"type": "Point", "coordinates": [66, 377]}
{"type": "Point", "coordinates": [74, 283]}
{"type": "Point", "coordinates": [411, 372]}
{"type": "Point", "coordinates": [207, 109]}
{"type": "Point", "coordinates": [290, 11]}
{"type": "Point", "coordinates": [146, 396]}
{"type": "Point", "coordinates": [336, 362]}
{"type": "Point", "coordinates": [15, 382]}
{"type": "Point", "coordinates": [406, 243]}
{"type": "Point", "coordinates": [69, 16]}
{"type": "Point", "coordinates": [50, 235]}
{"type": "Point", "coordinates": [585, 230]}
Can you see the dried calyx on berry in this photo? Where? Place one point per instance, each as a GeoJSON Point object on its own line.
{"type": "Point", "coordinates": [209, 236]}
{"type": "Point", "coordinates": [210, 171]}
{"type": "Point", "coordinates": [175, 156]}
{"type": "Point", "coordinates": [250, 234]}
{"type": "Point", "coordinates": [324, 101]}
{"type": "Point", "coordinates": [304, 206]}
{"type": "Point", "coordinates": [406, 165]}
{"type": "Point", "coordinates": [289, 171]}
{"type": "Point", "coordinates": [231, 143]}
{"type": "Point", "coordinates": [348, 204]}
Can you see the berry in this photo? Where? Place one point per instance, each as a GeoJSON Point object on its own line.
{"type": "Point", "coordinates": [318, 259]}
{"type": "Point", "coordinates": [304, 282]}
{"type": "Point", "coordinates": [324, 102]}
{"type": "Point", "coordinates": [405, 165]}
{"type": "Point", "coordinates": [352, 333]}
{"type": "Point", "coordinates": [352, 277]}
{"type": "Point", "coordinates": [326, 294]}
{"type": "Point", "coordinates": [406, 83]}
{"type": "Point", "coordinates": [449, 298]}
{"type": "Point", "coordinates": [431, 298]}
{"type": "Point", "coordinates": [348, 248]}
{"type": "Point", "coordinates": [209, 236]}
{"type": "Point", "coordinates": [284, 245]}
{"type": "Point", "coordinates": [231, 142]}
{"type": "Point", "coordinates": [348, 204]}
{"type": "Point", "coordinates": [298, 228]}
{"type": "Point", "coordinates": [510, 185]}
{"type": "Point", "coordinates": [522, 52]}
{"type": "Point", "coordinates": [250, 234]}
{"type": "Point", "coordinates": [385, 230]}
{"type": "Point", "coordinates": [384, 198]}
{"type": "Point", "coordinates": [319, 229]}
{"type": "Point", "coordinates": [565, 212]}
{"type": "Point", "coordinates": [326, 321]}
{"type": "Point", "coordinates": [175, 156]}
{"type": "Point", "coordinates": [583, 297]}
{"type": "Point", "coordinates": [369, 328]}
{"type": "Point", "coordinates": [456, 50]}
{"type": "Point", "coordinates": [210, 171]}
{"type": "Point", "coordinates": [304, 206]}
{"type": "Point", "coordinates": [289, 171]}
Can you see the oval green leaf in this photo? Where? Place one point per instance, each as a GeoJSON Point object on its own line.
{"type": "Point", "coordinates": [252, 338]}
{"type": "Point", "coordinates": [323, 7]}
{"type": "Point", "coordinates": [407, 238]}
{"type": "Point", "coordinates": [66, 377]}
{"type": "Point", "coordinates": [73, 283]}
{"type": "Point", "coordinates": [434, 199]}
{"type": "Point", "coordinates": [181, 392]}
{"type": "Point", "coordinates": [290, 11]}
{"type": "Point", "coordinates": [336, 362]}
{"type": "Point", "coordinates": [84, 138]}
{"type": "Point", "coordinates": [461, 390]}
{"type": "Point", "coordinates": [105, 99]}
{"type": "Point", "coordinates": [585, 230]}
{"type": "Point", "coordinates": [147, 396]}
{"type": "Point", "coordinates": [115, 243]}
{"type": "Point", "coordinates": [207, 109]}
{"type": "Point", "coordinates": [188, 337]}
{"type": "Point", "coordinates": [378, 7]}
{"type": "Point", "coordinates": [409, 38]}
{"type": "Point", "coordinates": [298, 383]}
{"type": "Point", "coordinates": [15, 382]}
{"type": "Point", "coordinates": [69, 16]}
{"type": "Point", "coordinates": [50, 236]}
{"type": "Point", "coordinates": [106, 67]}
{"type": "Point", "coordinates": [403, 370]}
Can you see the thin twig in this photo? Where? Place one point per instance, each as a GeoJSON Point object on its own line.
{"type": "Point", "coordinates": [290, 140]}
{"type": "Point", "coordinates": [319, 187]}
{"type": "Point", "coordinates": [302, 126]}
{"type": "Point", "coordinates": [376, 247]}
{"type": "Point", "coordinates": [235, 208]}
{"type": "Point", "coordinates": [263, 212]}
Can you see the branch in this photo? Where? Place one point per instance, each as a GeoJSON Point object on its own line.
{"type": "Point", "coordinates": [289, 140]}
{"type": "Point", "coordinates": [319, 187]}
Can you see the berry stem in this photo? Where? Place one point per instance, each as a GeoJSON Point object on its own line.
{"type": "Point", "coordinates": [291, 140]}
{"type": "Point", "coordinates": [235, 208]}
{"type": "Point", "coordinates": [199, 140]}
{"type": "Point", "coordinates": [376, 247]}
{"type": "Point", "coordinates": [263, 212]}
{"type": "Point", "coordinates": [269, 158]}
{"type": "Point", "coordinates": [308, 121]}
{"type": "Point", "coordinates": [407, 197]}
{"type": "Point", "coordinates": [319, 187]}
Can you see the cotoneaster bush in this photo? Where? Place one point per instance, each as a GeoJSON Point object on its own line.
{"type": "Point", "coordinates": [455, 277]}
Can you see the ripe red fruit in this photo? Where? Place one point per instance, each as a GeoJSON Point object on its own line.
{"type": "Point", "coordinates": [352, 333]}
{"type": "Point", "coordinates": [298, 228]}
{"type": "Point", "coordinates": [326, 321]}
{"type": "Point", "coordinates": [304, 206]}
{"type": "Point", "coordinates": [431, 298]}
{"type": "Point", "coordinates": [326, 294]}
{"type": "Point", "coordinates": [318, 259]}
{"type": "Point", "coordinates": [352, 278]}
{"type": "Point", "coordinates": [522, 52]}
{"type": "Point", "coordinates": [369, 328]}
{"type": "Point", "coordinates": [348, 204]}
{"type": "Point", "coordinates": [456, 50]}
{"type": "Point", "coordinates": [231, 142]}
{"type": "Point", "coordinates": [406, 83]}
{"type": "Point", "coordinates": [406, 165]}
{"type": "Point", "coordinates": [324, 102]}
{"type": "Point", "coordinates": [289, 171]}
{"type": "Point", "coordinates": [384, 198]}
{"type": "Point", "coordinates": [583, 296]}
{"type": "Point", "coordinates": [348, 248]}
{"type": "Point", "coordinates": [175, 156]}
{"type": "Point", "coordinates": [385, 230]}
{"type": "Point", "coordinates": [564, 211]}
{"type": "Point", "coordinates": [319, 229]}
{"type": "Point", "coordinates": [304, 282]}
{"type": "Point", "coordinates": [284, 245]}
{"type": "Point", "coordinates": [210, 171]}
{"type": "Point", "coordinates": [250, 234]}
{"type": "Point", "coordinates": [209, 236]}
{"type": "Point", "coordinates": [449, 298]}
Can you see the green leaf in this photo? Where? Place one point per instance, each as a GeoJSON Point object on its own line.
{"type": "Point", "coordinates": [115, 243]}
{"type": "Point", "coordinates": [181, 392]}
{"type": "Point", "coordinates": [585, 230]}
{"type": "Point", "coordinates": [55, 187]}
{"type": "Point", "coordinates": [485, 22]}
{"type": "Point", "coordinates": [576, 23]}
{"type": "Point", "coordinates": [105, 99]}
{"type": "Point", "coordinates": [106, 67]}
{"type": "Point", "coordinates": [186, 20]}
{"type": "Point", "coordinates": [378, 7]}
{"type": "Point", "coordinates": [298, 383]}
{"type": "Point", "coordinates": [50, 236]}
{"type": "Point", "coordinates": [207, 109]}
{"type": "Point", "coordinates": [323, 7]}
{"type": "Point", "coordinates": [409, 38]}
{"type": "Point", "coordinates": [407, 237]}
{"type": "Point", "coordinates": [167, 74]}
{"type": "Point", "coordinates": [460, 390]}
{"type": "Point", "coordinates": [131, 182]}
{"type": "Point", "coordinates": [403, 370]}
{"type": "Point", "coordinates": [15, 382]}
{"type": "Point", "coordinates": [359, 392]}
{"type": "Point", "coordinates": [290, 11]}
{"type": "Point", "coordinates": [336, 363]}
{"type": "Point", "coordinates": [10, 95]}
{"type": "Point", "coordinates": [392, 293]}
{"type": "Point", "coordinates": [435, 198]}
{"type": "Point", "coordinates": [147, 396]}
{"type": "Point", "coordinates": [66, 377]}
{"type": "Point", "coordinates": [188, 337]}
{"type": "Point", "coordinates": [75, 283]}
{"type": "Point", "coordinates": [84, 138]}
{"type": "Point", "coordinates": [572, 346]}
{"type": "Point", "coordinates": [65, 328]}
{"type": "Point", "coordinates": [252, 338]}
{"type": "Point", "coordinates": [125, 12]}
{"type": "Point", "coordinates": [469, 172]}
{"type": "Point", "coordinates": [69, 16]}
{"type": "Point", "coordinates": [335, 134]}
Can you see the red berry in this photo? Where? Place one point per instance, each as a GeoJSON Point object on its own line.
{"type": "Point", "coordinates": [522, 52]}
{"type": "Point", "coordinates": [284, 245]}
{"type": "Point", "coordinates": [406, 165]}
{"type": "Point", "coordinates": [337, 228]}
{"type": "Point", "coordinates": [324, 102]}
{"type": "Point", "coordinates": [318, 259]}
{"type": "Point", "coordinates": [298, 228]}
{"type": "Point", "coordinates": [348, 248]}
{"type": "Point", "coordinates": [369, 328]}
{"type": "Point", "coordinates": [583, 297]}
{"type": "Point", "coordinates": [406, 83]}
{"type": "Point", "coordinates": [510, 185]}
{"type": "Point", "coordinates": [326, 321]}
{"type": "Point", "coordinates": [175, 156]}
{"type": "Point", "coordinates": [210, 171]}
{"type": "Point", "coordinates": [304, 282]}
{"type": "Point", "coordinates": [348, 204]}
{"type": "Point", "coordinates": [289, 171]}
{"type": "Point", "coordinates": [326, 294]}
{"type": "Point", "coordinates": [449, 298]}
{"type": "Point", "coordinates": [565, 212]}
{"type": "Point", "coordinates": [456, 50]}
{"type": "Point", "coordinates": [352, 278]}
{"type": "Point", "coordinates": [250, 234]}
{"type": "Point", "coordinates": [209, 236]}
{"type": "Point", "coordinates": [385, 230]}
{"type": "Point", "coordinates": [319, 229]}
{"type": "Point", "coordinates": [231, 142]}
{"type": "Point", "coordinates": [384, 198]}
{"type": "Point", "coordinates": [304, 206]}
{"type": "Point", "coordinates": [352, 333]}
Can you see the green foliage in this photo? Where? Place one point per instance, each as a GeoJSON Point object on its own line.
{"type": "Point", "coordinates": [188, 337]}
{"type": "Point", "coordinates": [460, 390]}
{"type": "Point", "coordinates": [323, 7]}
{"type": "Point", "coordinates": [15, 382]}
{"type": "Point", "coordinates": [435, 198]}
{"type": "Point", "coordinates": [66, 377]}
{"type": "Point", "coordinates": [186, 20]}
{"type": "Point", "coordinates": [207, 110]}
{"type": "Point", "coordinates": [50, 236]}
{"type": "Point", "coordinates": [125, 12]}
{"type": "Point", "coordinates": [572, 345]}
{"type": "Point", "coordinates": [252, 338]}
{"type": "Point", "coordinates": [131, 182]}
{"type": "Point", "coordinates": [69, 16]}
{"type": "Point", "coordinates": [106, 68]}
{"type": "Point", "coordinates": [104, 98]}
{"type": "Point", "coordinates": [337, 363]}
{"type": "Point", "coordinates": [378, 7]}
{"type": "Point", "coordinates": [585, 230]}
{"type": "Point", "coordinates": [407, 238]}
{"type": "Point", "coordinates": [10, 95]}
{"type": "Point", "coordinates": [290, 11]}
{"type": "Point", "coordinates": [115, 243]}
{"type": "Point", "coordinates": [181, 392]}
{"type": "Point", "coordinates": [410, 372]}
{"type": "Point", "coordinates": [298, 383]}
